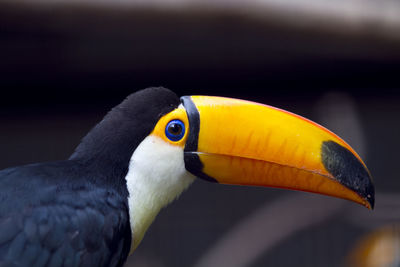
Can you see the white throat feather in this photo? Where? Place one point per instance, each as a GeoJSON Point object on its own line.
{"type": "Point", "coordinates": [156, 176]}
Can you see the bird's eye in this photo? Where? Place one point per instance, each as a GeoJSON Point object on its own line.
{"type": "Point", "coordinates": [175, 130]}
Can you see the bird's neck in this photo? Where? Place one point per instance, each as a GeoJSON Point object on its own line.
{"type": "Point", "coordinates": [144, 207]}
{"type": "Point", "coordinates": [153, 182]}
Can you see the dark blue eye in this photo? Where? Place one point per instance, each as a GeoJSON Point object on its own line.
{"type": "Point", "coordinates": [175, 130]}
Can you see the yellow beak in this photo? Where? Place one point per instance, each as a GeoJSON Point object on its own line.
{"type": "Point", "coordinates": [233, 141]}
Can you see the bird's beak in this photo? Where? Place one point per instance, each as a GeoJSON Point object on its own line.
{"type": "Point", "coordinates": [239, 142]}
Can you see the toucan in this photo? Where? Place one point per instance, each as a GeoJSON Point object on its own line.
{"type": "Point", "coordinates": [94, 208]}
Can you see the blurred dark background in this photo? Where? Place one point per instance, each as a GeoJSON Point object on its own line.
{"type": "Point", "coordinates": [64, 64]}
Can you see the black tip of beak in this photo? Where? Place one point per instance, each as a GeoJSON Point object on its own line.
{"type": "Point", "coordinates": [348, 170]}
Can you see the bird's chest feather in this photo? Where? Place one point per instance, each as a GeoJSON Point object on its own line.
{"type": "Point", "coordinates": [153, 182]}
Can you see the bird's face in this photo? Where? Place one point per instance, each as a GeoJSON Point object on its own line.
{"type": "Point", "coordinates": [232, 141]}
{"type": "Point", "coordinates": [157, 173]}
{"type": "Point", "coordinates": [173, 128]}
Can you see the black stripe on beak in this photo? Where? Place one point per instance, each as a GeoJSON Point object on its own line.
{"type": "Point", "coordinates": [192, 161]}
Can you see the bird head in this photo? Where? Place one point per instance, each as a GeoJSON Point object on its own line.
{"type": "Point", "coordinates": [228, 141]}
